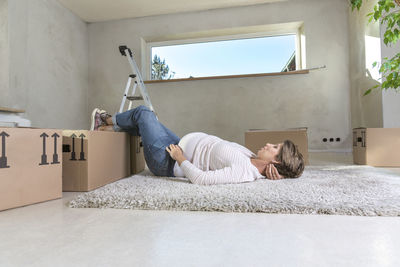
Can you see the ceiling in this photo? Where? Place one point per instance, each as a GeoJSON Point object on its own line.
{"type": "Point", "coordinates": [104, 10]}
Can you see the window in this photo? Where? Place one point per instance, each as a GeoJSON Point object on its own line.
{"type": "Point", "coordinates": [373, 50]}
{"type": "Point", "coordinates": [226, 55]}
{"type": "Point", "coordinates": [372, 54]}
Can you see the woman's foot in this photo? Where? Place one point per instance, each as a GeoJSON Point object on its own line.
{"type": "Point", "coordinates": [105, 118]}
{"type": "Point", "coordinates": [99, 118]}
{"type": "Point", "coordinates": [96, 120]}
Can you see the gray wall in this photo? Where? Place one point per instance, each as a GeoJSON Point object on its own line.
{"type": "Point", "coordinates": [48, 67]}
{"type": "Point", "coordinates": [46, 53]}
{"type": "Point", "coordinates": [227, 108]}
{"type": "Point", "coordinates": [4, 52]}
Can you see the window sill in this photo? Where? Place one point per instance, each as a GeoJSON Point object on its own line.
{"type": "Point", "coordinates": [230, 76]}
{"type": "Point", "coordinates": [11, 110]}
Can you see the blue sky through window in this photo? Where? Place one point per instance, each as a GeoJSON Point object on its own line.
{"type": "Point", "coordinates": [243, 56]}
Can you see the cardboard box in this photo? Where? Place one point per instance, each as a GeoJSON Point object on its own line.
{"type": "Point", "coordinates": [137, 155]}
{"type": "Point", "coordinates": [92, 159]}
{"type": "Point", "coordinates": [378, 147]}
{"type": "Point", "coordinates": [30, 166]}
{"type": "Point", "coordinates": [255, 139]}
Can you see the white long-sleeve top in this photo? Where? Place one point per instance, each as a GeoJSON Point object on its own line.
{"type": "Point", "coordinates": [212, 160]}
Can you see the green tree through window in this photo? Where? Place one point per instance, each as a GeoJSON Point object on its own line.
{"type": "Point", "coordinates": [160, 70]}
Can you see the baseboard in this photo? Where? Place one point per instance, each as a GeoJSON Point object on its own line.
{"type": "Point", "coordinates": [340, 150]}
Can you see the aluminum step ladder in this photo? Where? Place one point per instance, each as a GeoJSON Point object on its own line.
{"type": "Point", "coordinates": [136, 77]}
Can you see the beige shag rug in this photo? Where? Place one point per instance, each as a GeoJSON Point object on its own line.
{"type": "Point", "coordinates": [345, 190]}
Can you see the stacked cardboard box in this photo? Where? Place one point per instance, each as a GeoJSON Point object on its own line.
{"type": "Point", "coordinates": [36, 165]}
{"type": "Point", "coordinates": [255, 139]}
{"type": "Point", "coordinates": [30, 166]}
{"type": "Point", "coordinates": [94, 158]}
{"type": "Point", "coordinates": [378, 147]}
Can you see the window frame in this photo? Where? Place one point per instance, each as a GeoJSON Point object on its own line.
{"type": "Point", "coordinates": [294, 28]}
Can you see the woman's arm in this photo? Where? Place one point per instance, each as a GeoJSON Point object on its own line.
{"type": "Point", "coordinates": [228, 175]}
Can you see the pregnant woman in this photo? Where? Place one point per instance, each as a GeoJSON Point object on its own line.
{"type": "Point", "coordinates": [202, 158]}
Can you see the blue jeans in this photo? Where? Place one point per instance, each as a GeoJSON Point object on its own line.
{"type": "Point", "coordinates": [141, 121]}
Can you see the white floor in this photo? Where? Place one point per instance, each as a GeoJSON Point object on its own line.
{"type": "Point", "coordinates": [51, 234]}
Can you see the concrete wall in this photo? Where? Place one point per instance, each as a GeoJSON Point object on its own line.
{"type": "Point", "coordinates": [366, 111]}
{"type": "Point", "coordinates": [48, 67]}
{"type": "Point", "coordinates": [227, 108]}
{"type": "Point", "coordinates": [4, 52]}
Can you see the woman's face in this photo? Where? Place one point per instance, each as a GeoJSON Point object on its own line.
{"type": "Point", "coordinates": [269, 152]}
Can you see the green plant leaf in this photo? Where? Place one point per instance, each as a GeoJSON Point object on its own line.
{"type": "Point", "coordinates": [370, 19]}
{"type": "Point", "coordinates": [367, 92]}
{"type": "Point", "coordinates": [355, 4]}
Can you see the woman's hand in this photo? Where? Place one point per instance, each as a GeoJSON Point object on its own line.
{"type": "Point", "coordinates": [176, 153]}
{"type": "Point", "coordinates": [272, 173]}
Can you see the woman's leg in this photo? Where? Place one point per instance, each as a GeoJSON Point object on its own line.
{"type": "Point", "coordinates": [141, 121]}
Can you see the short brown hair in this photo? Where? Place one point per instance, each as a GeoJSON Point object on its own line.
{"type": "Point", "coordinates": [291, 162]}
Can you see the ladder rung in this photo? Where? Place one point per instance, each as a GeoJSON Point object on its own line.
{"type": "Point", "coordinates": [131, 98]}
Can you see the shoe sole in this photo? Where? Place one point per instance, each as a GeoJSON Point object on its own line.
{"type": "Point", "coordinates": [93, 119]}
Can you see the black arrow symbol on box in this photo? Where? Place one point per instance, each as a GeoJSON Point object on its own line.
{"type": "Point", "coordinates": [55, 155]}
{"type": "Point", "coordinates": [73, 147]}
{"type": "Point", "coordinates": [44, 156]}
{"type": "Point", "coordinates": [82, 155]}
{"type": "Point", "coordinates": [3, 158]}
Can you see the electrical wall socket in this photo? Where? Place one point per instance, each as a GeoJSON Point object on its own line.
{"type": "Point", "coordinates": [331, 139]}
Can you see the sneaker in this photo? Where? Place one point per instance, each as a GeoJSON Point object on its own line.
{"type": "Point", "coordinates": [96, 120]}
{"type": "Point", "coordinates": [104, 116]}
